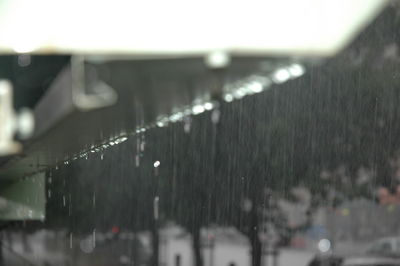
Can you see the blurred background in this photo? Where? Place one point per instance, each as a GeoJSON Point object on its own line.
{"type": "Point", "coordinates": [200, 134]}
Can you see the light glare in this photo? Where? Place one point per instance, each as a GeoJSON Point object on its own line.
{"type": "Point", "coordinates": [208, 106]}
{"type": "Point", "coordinates": [296, 70]}
{"type": "Point", "coordinates": [198, 109]}
{"type": "Point", "coordinates": [281, 75]}
{"type": "Point", "coordinates": [324, 245]}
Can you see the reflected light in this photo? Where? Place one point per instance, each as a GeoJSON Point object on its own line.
{"type": "Point", "coordinates": [256, 87]}
{"type": "Point", "coordinates": [160, 124]}
{"type": "Point", "coordinates": [281, 75]}
{"type": "Point", "coordinates": [228, 98]}
{"type": "Point", "coordinates": [296, 70]}
{"type": "Point", "coordinates": [176, 117]}
{"type": "Point", "coordinates": [218, 59]}
{"type": "Point", "coordinates": [239, 93]}
{"type": "Point", "coordinates": [198, 109]}
{"type": "Point", "coordinates": [324, 245]}
{"type": "Point", "coordinates": [208, 106]}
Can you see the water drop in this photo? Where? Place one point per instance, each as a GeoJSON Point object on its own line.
{"type": "Point", "coordinates": [156, 164]}
{"type": "Point", "coordinates": [155, 207]}
{"type": "Point", "coordinates": [228, 98]}
{"type": "Point", "coordinates": [142, 145]}
{"type": "Point", "coordinates": [176, 117]}
{"type": "Point", "coordinates": [255, 87]}
{"type": "Point", "coordinates": [187, 124]}
{"type": "Point", "coordinates": [239, 93]}
{"type": "Point", "coordinates": [137, 160]}
{"type": "Point", "coordinates": [198, 109]}
{"type": "Point", "coordinates": [215, 115]}
{"type": "Point", "coordinates": [296, 70]}
{"type": "Point", "coordinates": [208, 106]}
{"type": "Point", "coordinates": [69, 206]}
{"type": "Point", "coordinates": [138, 144]}
{"type": "Point", "coordinates": [281, 75]}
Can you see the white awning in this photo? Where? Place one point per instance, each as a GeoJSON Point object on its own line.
{"type": "Point", "coordinates": [183, 27]}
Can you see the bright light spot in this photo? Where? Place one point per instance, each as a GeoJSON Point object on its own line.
{"type": "Point", "coordinates": [228, 98]}
{"type": "Point", "coordinates": [324, 245]}
{"type": "Point", "coordinates": [122, 139]}
{"type": "Point", "coordinates": [118, 140]}
{"type": "Point", "coordinates": [156, 164]}
{"type": "Point", "coordinates": [281, 75]}
{"type": "Point", "coordinates": [255, 87]}
{"type": "Point", "coordinates": [198, 109]}
{"type": "Point", "coordinates": [208, 106]}
{"type": "Point", "coordinates": [239, 93]}
{"type": "Point", "coordinates": [160, 124]}
{"type": "Point", "coordinates": [218, 59]}
{"type": "Point", "coordinates": [296, 70]}
{"type": "Point", "coordinates": [176, 117]}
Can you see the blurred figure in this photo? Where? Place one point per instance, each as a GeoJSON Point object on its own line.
{"type": "Point", "coordinates": [385, 197]}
